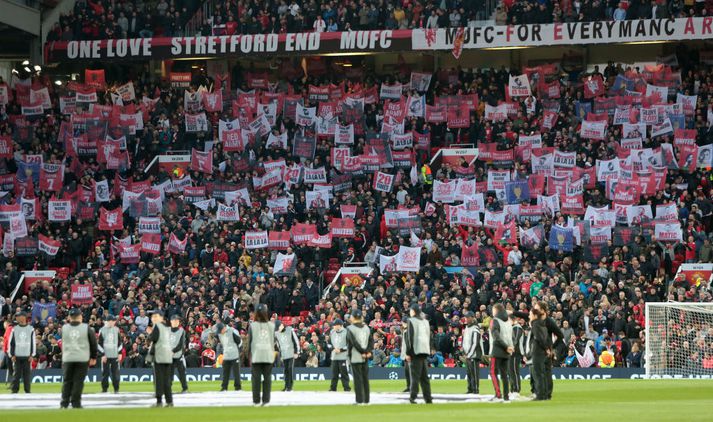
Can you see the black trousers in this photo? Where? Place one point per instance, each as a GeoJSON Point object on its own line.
{"type": "Point", "coordinates": [261, 380]}
{"type": "Point", "coordinates": [407, 374]}
{"type": "Point", "coordinates": [548, 378]}
{"type": "Point", "coordinates": [538, 375]}
{"type": "Point", "coordinates": [21, 370]}
{"type": "Point", "coordinates": [73, 374]}
{"type": "Point", "coordinates": [530, 366]}
{"type": "Point", "coordinates": [499, 366]}
{"type": "Point", "coordinates": [514, 372]}
{"type": "Point", "coordinates": [233, 366]}
{"type": "Point", "coordinates": [473, 368]}
{"type": "Point", "coordinates": [339, 370]}
{"type": "Point", "coordinates": [289, 373]}
{"type": "Point", "coordinates": [180, 366]}
{"type": "Point", "coordinates": [163, 377]}
{"type": "Point", "coordinates": [361, 381]}
{"type": "Point", "coordinates": [110, 368]}
{"type": "Point", "coordinates": [419, 377]}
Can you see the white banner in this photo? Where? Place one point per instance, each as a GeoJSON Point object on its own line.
{"type": "Point", "coordinates": [408, 259]}
{"type": "Point", "coordinates": [256, 240]}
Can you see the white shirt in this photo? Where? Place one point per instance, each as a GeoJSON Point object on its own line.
{"type": "Point", "coordinates": [515, 257]}
{"type": "Point", "coordinates": [319, 25]}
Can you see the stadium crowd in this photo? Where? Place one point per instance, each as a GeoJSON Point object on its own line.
{"type": "Point", "coordinates": [203, 271]}
{"type": "Point", "coordinates": [91, 20]}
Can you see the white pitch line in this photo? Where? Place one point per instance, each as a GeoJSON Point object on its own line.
{"type": "Point", "coordinates": [223, 399]}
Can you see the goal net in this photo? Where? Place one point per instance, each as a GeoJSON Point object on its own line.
{"type": "Point", "coordinates": [679, 340]}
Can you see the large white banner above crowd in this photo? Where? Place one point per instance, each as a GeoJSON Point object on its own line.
{"type": "Point", "coordinates": [492, 36]}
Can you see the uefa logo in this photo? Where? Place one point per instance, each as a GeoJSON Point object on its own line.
{"type": "Point", "coordinates": [393, 375]}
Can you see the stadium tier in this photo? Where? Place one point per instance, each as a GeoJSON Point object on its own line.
{"type": "Point", "coordinates": [558, 154]}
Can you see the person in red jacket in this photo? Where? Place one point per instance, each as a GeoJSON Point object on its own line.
{"type": "Point", "coordinates": [5, 347]}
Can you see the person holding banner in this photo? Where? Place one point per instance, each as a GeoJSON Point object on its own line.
{"type": "Point", "coordinates": [109, 345]}
{"type": "Point", "coordinates": [21, 349]}
{"type": "Point", "coordinates": [289, 346]}
{"type": "Point", "coordinates": [261, 349]}
{"type": "Point", "coordinates": [79, 351]}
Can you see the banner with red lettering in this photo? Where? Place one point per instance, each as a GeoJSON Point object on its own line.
{"type": "Point", "coordinates": [444, 192]}
{"type": "Point", "coordinates": [59, 210]}
{"type": "Point", "coordinates": [130, 254]}
{"type": "Point", "coordinates": [408, 259]}
{"type": "Point", "coordinates": [226, 213]}
{"type": "Point", "coordinates": [593, 130]}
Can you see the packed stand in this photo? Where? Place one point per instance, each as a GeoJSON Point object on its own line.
{"type": "Point", "coordinates": [265, 214]}
{"type": "Point", "coordinates": [102, 20]}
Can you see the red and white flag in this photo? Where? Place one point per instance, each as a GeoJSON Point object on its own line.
{"type": "Point", "coordinates": [202, 161]}
{"type": "Point", "coordinates": [151, 243]}
{"type": "Point", "coordinates": [342, 227]}
{"type": "Point", "coordinates": [47, 245]}
{"type": "Point", "coordinates": [458, 42]}
{"type": "Point", "coordinates": [111, 220]}
{"type": "Point", "coordinates": [18, 227]}
{"type": "Point", "coordinates": [175, 245]}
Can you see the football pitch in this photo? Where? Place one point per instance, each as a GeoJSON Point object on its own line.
{"type": "Point", "coordinates": [612, 400]}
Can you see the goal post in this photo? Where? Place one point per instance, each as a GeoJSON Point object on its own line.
{"type": "Point", "coordinates": [679, 340]}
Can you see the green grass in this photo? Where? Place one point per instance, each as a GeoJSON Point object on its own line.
{"type": "Point", "coordinates": [600, 400]}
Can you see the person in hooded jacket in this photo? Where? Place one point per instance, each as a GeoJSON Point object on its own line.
{"type": "Point", "coordinates": [418, 348]}
{"type": "Point", "coordinates": [338, 339]}
{"type": "Point", "coordinates": [232, 343]}
{"type": "Point", "coordinates": [552, 329]}
{"type": "Point", "coordinates": [540, 349]}
{"type": "Point", "coordinates": [473, 351]}
{"type": "Point", "coordinates": [261, 349]}
{"type": "Point", "coordinates": [501, 348]}
{"type": "Point", "coordinates": [360, 344]}
{"type": "Point", "coordinates": [518, 340]}
{"type": "Point", "coordinates": [289, 346]}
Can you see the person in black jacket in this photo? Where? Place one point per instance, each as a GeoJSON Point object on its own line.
{"type": "Point", "coordinates": [540, 349]}
{"type": "Point", "coordinates": [552, 328]}
{"type": "Point", "coordinates": [501, 348]}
